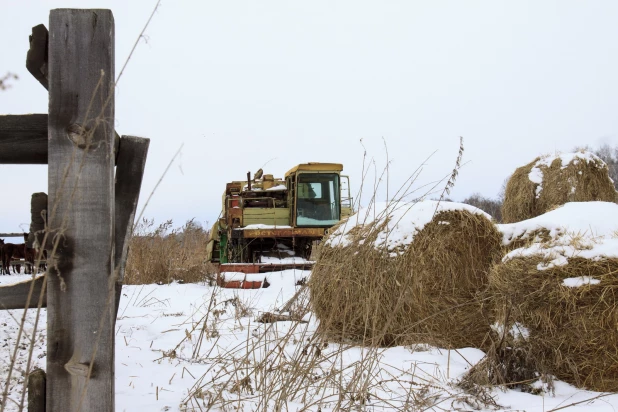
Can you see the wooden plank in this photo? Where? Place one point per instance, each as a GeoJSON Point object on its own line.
{"type": "Point", "coordinates": [23, 139]}
{"type": "Point", "coordinates": [80, 355]}
{"type": "Point", "coordinates": [130, 165]}
{"type": "Point", "coordinates": [38, 216]}
{"type": "Point", "coordinates": [36, 391]}
{"type": "Point", "coordinates": [21, 235]}
{"type": "Point", "coordinates": [36, 59]}
{"type": "Point", "coordinates": [16, 296]}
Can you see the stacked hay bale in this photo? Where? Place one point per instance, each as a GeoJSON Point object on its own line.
{"type": "Point", "coordinates": [406, 273]}
{"type": "Point", "coordinates": [551, 181]}
{"type": "Point", "coordinates": [556, 299]}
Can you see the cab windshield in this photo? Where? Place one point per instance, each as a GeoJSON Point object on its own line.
{"type": "Point", "coordinates": [317, 199]}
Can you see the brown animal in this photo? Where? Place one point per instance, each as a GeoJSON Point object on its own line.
{"type": "Point", "coordinates": [8, 250]}
{"type": "Point", "coordinates": [20, 253]}
{"type": "Point", "coordinates": [2, 257]}
{"type": "Point", "coordinates": [12, 251]}
{"type": "Point", "coordinates": [30, 257]}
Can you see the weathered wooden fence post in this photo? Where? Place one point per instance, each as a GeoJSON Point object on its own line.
{"type": "Point", "coordinates": [38, 218]}
{"type": "Point", "coordinates": [131, 161]}
{"type": "Point", "coordinates": [80, 356]}
{"type": "Point", "coordinates": [36, 391]}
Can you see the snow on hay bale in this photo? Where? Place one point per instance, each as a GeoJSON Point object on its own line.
{"type": "Point", "coordinates": [556, 300]}
{"type": "Point", "coordinates": [402, 273]}
{"type": "Point", "coordinates": [551, 181]}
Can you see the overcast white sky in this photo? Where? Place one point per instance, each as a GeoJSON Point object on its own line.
{"type": "Point", "coordinates": [244, 82]}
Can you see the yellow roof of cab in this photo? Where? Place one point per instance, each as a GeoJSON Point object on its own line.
{"type": "Point", "coordinates": [315, 167]}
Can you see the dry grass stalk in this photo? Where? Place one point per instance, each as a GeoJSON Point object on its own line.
{"type": "Point", "coordinates": [428, 294]}
{"type": "Point", "coordinates": [288, 363]}
{"type": "Point", "coordinates": [577, 181]}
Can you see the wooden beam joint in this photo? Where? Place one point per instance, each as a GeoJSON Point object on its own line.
{"type": "Point", "coordinates": [37, 57]}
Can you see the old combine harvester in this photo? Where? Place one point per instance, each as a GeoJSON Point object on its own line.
{"type": "Point", "coordinates": [269, 224]}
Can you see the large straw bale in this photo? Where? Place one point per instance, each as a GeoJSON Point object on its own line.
{"type": "Point", "coordinates": [565, 331]}
{"type": "Point", "coordinates": [551, 181]}
{"type": "Point", "coordinates": [413, 274]}
{"type": "Point", "coordinates": [546, 326]}
{"type": "Point", "coordinates": [554, 300]}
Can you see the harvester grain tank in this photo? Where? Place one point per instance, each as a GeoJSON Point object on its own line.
{"type": "Point", "coordinates": [269, 223]}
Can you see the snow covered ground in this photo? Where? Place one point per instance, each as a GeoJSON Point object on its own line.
{"type": "Point", "coordinates": [195, 347]}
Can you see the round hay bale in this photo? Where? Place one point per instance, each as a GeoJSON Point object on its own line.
{"type": "Point", "coordinates": [555, 299]}
{"type": "Point", "coordinates": [562, 319]}
{"type": "Point", "coordinates": [551, 181]}
{"type": "Point", "coordinates": [410, 274]}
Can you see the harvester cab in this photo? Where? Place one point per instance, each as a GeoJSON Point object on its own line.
{"type": "Point", "coordinates": [269, 224]}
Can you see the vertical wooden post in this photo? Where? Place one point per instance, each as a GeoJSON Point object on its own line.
{"type": "Point", "coordinates": [80, 355]}
{"type": "Point", "coordinates": [38, 217]}
{"type": "Point", "coordinates": [36, 59]}
{"type": "Point", "coordinates": [130, 164]}
{"type": "Point", "coordinates": [36, 391]}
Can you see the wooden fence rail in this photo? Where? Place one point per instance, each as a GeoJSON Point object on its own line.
{"type": "Point", "coordinates": [23, 139]}
{"type": "Point", "coordinates": [18, 297]}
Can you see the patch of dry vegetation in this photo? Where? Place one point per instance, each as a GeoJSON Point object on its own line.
{"type": "Point", "coordinates": [578, 181]}
{"type": "Point", "coordinates": [160, 254]}
{"type": "Point", "coordinates": [286, 366]}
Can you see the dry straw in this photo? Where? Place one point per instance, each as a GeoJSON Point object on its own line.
{"type": "Point", "coordinates": [158, 254]}
{"type": "Point", "coordinates": [570, 332]}
{"type": "Point", "coordinates": [427, 293]}
{"type": "Point", "coordinates": [584, 178]}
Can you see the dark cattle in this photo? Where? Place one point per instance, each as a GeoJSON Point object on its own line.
{"type": "Point", "coordinates": [2, 257]}
{"type": "Point", "coordinates": [16, 267]}
{"type": "Point", "coordinates": [30, 257]}
{"type": "Point", "coordinates": [7, 253]}
{"type": "Point", "coordinates": [18, 253]}
{"type": "Point", "coordinates": [43, 265]}
{"type": "Point", "coordinates": [12, 251]}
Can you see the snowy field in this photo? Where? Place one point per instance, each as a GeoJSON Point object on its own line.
{"type": "Point", "coordinates": [194, 347]}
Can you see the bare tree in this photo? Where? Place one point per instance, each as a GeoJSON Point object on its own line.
{"type": "Point", "coordinates": [610, 156]}
{"type": "Point", "coordinates": [5, 79]}
{"type": "Point", "coordinates": [491, 206]}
